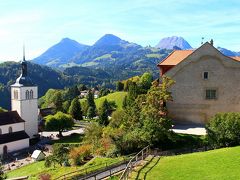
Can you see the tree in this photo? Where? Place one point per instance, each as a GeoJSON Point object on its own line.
{"type": "Point", "coordinates": [82, 87]}
{"type": "Point", "coordinates": [223, 130]}
{"type": "Point", "coordinates": [146, 81]}
{"type": "Point", "coordinates": [91, 105]}
{"type": "Point", "coordinates": [59, 122]}
{"type": "Point", "coordinates": [66, 105]}
{"type": "Point", "coordinates": [124, 105]}
{"type": "Point", "coordinates": [72, 92]}
{"type": "Point", "coordinates": [58, 101]}
{"type": "Point", "coordinates": [59, 156]}
{"type": "Point", "coordinates": [132, 93]}
{"type": "Point", "coordinates": [75, 109]}
{"type": "Point", "coordinates": [119, 86]}
{"type": "Point", "coordinates": [103, 113]}
{"type": "Point", "coordinates": [156, 125]}
{"type": "Point", "coordinates": [91, 112]}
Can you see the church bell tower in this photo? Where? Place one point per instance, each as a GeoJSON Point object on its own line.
{"type": "Point", "coordinates": [24, 99]}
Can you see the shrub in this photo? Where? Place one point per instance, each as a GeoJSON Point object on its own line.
{"type": "Point", "coordinates": [223, 130]}
{"type": "Point", "coordinates": [79, 154]}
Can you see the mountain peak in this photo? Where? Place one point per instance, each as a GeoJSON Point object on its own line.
{"type": "Point", "coordinates": [173, 42]}
{"type": "Point", "coordinates": [108, 39]}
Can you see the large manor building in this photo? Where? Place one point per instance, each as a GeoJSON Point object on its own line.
{"type": "Point", "coordinates": [206, 82]}
{"type": "Point", "coordinates": [21, 123]}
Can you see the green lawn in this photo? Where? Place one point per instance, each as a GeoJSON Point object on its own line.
{"type": "Point", "coordinates": [116, 96]}
{"type": "Point", "coordinates": [212, 165]}
{"type": "Point", "coordinates": [37, 168]}
{"type": "Point", "coordinates": [73, 138]}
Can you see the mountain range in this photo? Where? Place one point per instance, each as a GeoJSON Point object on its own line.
{"type": "Point", "coordinates": [112, 51]}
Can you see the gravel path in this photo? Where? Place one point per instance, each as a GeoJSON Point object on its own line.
{"type": "Point", "coordinates": [189, 129]}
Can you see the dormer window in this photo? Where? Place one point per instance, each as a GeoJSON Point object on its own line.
{"type": "Point", "coordinates": [205, 75]}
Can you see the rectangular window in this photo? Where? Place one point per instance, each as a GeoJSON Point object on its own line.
{"type": "Point", "coordinates": [211, 94]}
{"type": "Point", "coordinates": [205, 75]}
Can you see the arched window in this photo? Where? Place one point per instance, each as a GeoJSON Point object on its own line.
{"type": "Point", "coordinates": [10, 129]}
{"type": "Point", "coordinates": [27, 94]}
{"type": "Point", "coordinates": [0, 131]}
{"type": "Point", "coordinates": [31, 94]}
{"type": "Point", "coordinates": [15, 94]}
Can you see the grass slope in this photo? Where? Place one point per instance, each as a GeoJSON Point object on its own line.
{"type": "Point", "coordinates": [116, 96]}
{"type": "Point", "coordinates": [37, 168]}
{"type": "Point", "coordinates": [212, 165]}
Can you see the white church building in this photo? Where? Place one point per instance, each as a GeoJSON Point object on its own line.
{"type": "Point", "coordinates": [21, 123]}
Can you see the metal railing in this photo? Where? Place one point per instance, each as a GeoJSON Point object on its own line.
{"type": "Point", "coordinates": [92, 171]}
{"type": "Point", "coordinates": [134, 162]}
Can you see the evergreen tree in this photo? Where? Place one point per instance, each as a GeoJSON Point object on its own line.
{"type": "Point", "coordinates": [91, 112]}
{"type": "Point", "coordinates": [132, 93]}
{"type": "Point", "coordinates": [124, 105]}
{"type": "Point", "coordinates": [58, 101]}
{"type": "Point", "coordinates": [91, 104]}
{"type": "Point", "coordinates": [75, 109]}
{"type": "Point", "coordinates": [119, 86]}
{"type": "Point", "coordinates": [66, 105]}
{"type": "Point", "coordinates": [103, 113]}
{"type": "Point", "coordinates": [72, 92]}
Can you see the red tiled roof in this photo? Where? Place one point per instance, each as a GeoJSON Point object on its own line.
{"type": "Point", "coordinates": [235, 58]}
{"type": "Point", "coordinates": [176, 57]}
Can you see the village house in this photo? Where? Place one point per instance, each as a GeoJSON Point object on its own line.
{"type": "Point", "coordinates": [206, 82]}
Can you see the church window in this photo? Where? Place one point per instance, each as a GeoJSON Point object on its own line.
{"type": "Point", "coordinates": [10, 129]}
{"type": "Point", "coordinates": [27, 94]}
{"type": "Point", "coordinates": [15, 94]}
{"type": "Point", "coordinates": [31, 94]}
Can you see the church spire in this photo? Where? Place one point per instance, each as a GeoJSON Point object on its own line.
{"type": "Point", "coordinates": [24, 64]}
{"type": "Point", "coordinates": [24, 52]}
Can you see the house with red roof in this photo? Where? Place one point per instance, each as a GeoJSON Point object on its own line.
{"type": "Point", "coordinates": [206, 82]}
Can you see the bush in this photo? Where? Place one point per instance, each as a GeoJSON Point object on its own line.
{"type": "Point", "coordinates": [79, 154]}
{"type": "Point", "coordinates": [223, 130]}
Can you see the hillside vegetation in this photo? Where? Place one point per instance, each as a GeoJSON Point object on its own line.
{"type": "Point", "coordinates": [211, 165]}
{"type": "Point", "coordinates": [116, 96]}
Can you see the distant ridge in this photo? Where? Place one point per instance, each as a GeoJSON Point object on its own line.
{"type": "Point", "coordinates": [173, 42]}
{"type": "Point", "coordinates": [60, 53]}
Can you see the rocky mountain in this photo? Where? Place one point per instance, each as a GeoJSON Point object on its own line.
{"type": "Point", "coordinates": [173, 42]}
{"type": "Point", "coordinates": [227, 52]}
{"type": "Point", "coordinates": [61, 53]}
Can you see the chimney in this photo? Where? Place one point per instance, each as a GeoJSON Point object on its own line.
{"type": "Point", "coordinates": [211, 42]}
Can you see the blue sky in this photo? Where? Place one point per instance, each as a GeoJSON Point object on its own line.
{"type": "Point", "coordinates": [41, 23]}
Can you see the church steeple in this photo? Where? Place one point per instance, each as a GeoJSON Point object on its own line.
{"type": "Point", "coordinates": [24, 79]}
{"type": "Point", "coordinates": [24, 64]}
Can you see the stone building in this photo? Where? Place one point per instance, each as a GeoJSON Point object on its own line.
{"type": "Point", "coordinates": [206, 82]}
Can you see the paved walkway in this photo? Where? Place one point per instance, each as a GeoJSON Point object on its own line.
{"type": "Point", "coordinates": [67, 133]}
{"type": "Point", "coordinates": [189, 129]}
